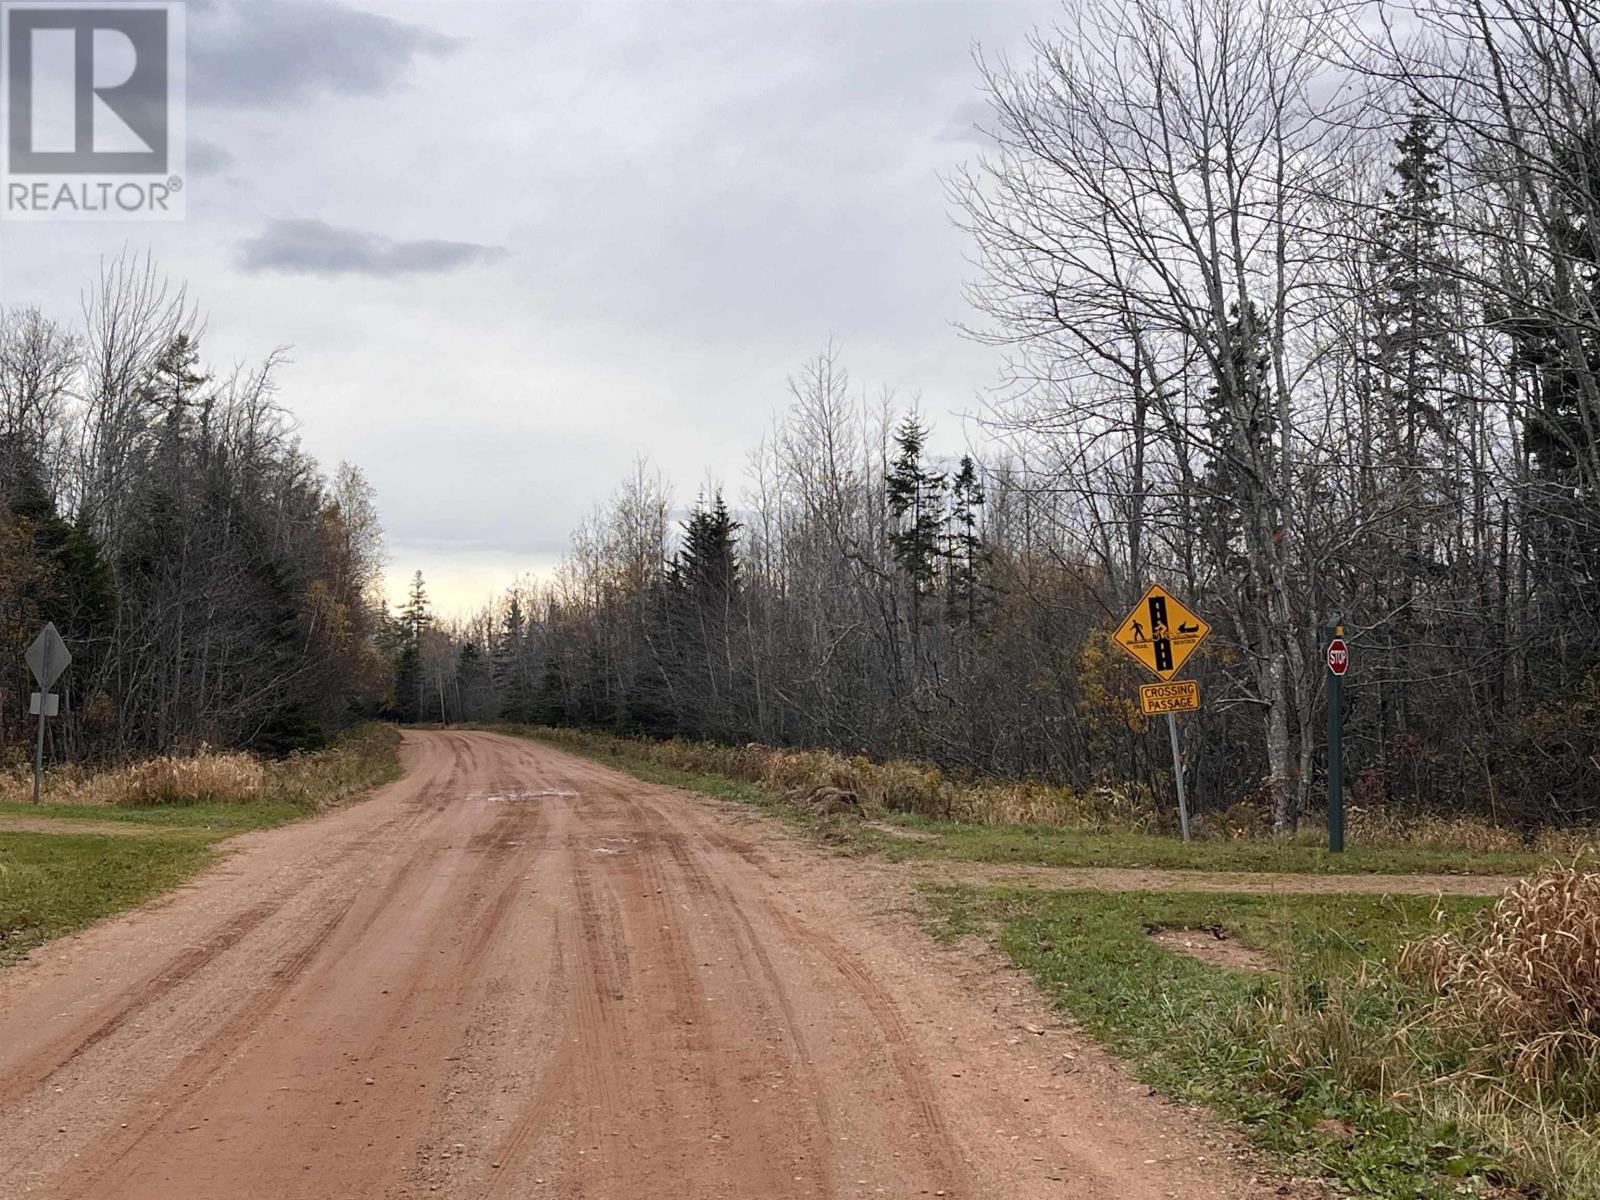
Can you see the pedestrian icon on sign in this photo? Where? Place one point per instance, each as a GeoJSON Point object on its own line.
{"type": "Point", "coordinates": [1161, 632]}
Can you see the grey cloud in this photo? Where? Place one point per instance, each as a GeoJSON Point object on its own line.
{"type": "Point", "coordinates": [303, 247]}
{"type": "Point", "coordinates": [248, 52]}
{"type": "Point", "coordinates": [970, 122]}
{"type": "Point", "coordinates": [208, 158]}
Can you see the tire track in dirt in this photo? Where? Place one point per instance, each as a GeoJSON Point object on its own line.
{"type": "Point", "coordinates": [37, 1069]}
{"type": "Point", "coordinates": [932, 1130]}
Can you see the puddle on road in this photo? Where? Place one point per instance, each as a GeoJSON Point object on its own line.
{"type": "Point", "coordinates": [517, 794]}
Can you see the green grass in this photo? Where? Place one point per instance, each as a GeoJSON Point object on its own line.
{"type": "Point", "coordinates": [57, 882]}
{"type": "Point", "coordinates": [1044, 846]}
{"type": "Point", "coordinates": [222, 817]}
{"type": "Point", "coordinates": [52, 884]}
{"type": "Point", "coordinates": [1205, 1034]}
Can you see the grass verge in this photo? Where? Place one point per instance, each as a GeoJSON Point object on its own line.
{"type": "Point", "coordinates": [54, 883]}
{"type": "Point", "coordinates": [1337, 1062]}
{"type": "Point", "coordinates": [1032, 845]}
{"type": "Point", "coordinates": [770, 780]}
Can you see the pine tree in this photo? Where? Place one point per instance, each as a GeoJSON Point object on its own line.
{"type": "Point", "coordinates": [965, 550]}
{"type": "Point", "coordinates": [1414, 356]}
{"type": "Point", "coordinates": [707, 566]}
{"type": "Point", "coordinates": [1240, 430]}
{"type": "Point", "coordinates": [415, 620]}
{"type": "Point", "coordinates": [916, 500]}
{"type": "Point", "coordinates": [175, 392]}
{"type": "Point", "coordinates": [509, 668]}
{"type": "Point", "coordinates": [702, 595]}
{"type": "Point", "coordinates": [1559, 350]}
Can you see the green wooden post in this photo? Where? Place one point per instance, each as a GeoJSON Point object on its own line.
{"type": "Point", "coordinates": [1336, 736]}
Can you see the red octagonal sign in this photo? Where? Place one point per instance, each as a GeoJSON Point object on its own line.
{"type": "Point", "coordinates": [1338, 656]}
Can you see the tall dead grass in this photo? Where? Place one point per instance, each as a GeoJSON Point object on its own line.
{"type": "Point", "coordinates": [1523, 988]}
{"type": "Point", "coordinates": [361, 759]}
{"type": "Point", "coordinates": [904, 786]}
{"type": "Point", "coordinates": [1493, 1029]}
{"type": "Point", "coordinates": [896, 786]}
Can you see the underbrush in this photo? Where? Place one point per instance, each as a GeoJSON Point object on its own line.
{"type": "Point", "coordinates": [363, 758]}
{"type": "Point", "coordinates": [1404, 1047]}
{"type": "Point", "coordinates": [1028, 822]}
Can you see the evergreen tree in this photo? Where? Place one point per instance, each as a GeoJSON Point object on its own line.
{"type": "Point", "coordinates": [509, 664]}
{"type": "Point", "coordinates": [1414, 360]}
{"type": "Point", "coordinates": [1416, 304]}
{"type": "Point", "coordinates": [1240, 430]}
{"type": "Point", "coordinates": [1559, 348]}
{"type": "Point", "coordinates": [707, 566]}
{"type": "Point", "coordinates": [175, 392]}
{"type": "Point", "coordinates": [415, 620]}
{"type": "Point", "coordinates": [965, 550]}
{"type": "Point", "coordinates": [916, 501]}
{"type": "Point", "coordinates": [702, 595]}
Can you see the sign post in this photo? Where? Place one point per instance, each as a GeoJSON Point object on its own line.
{"type": "Point", "coordinates": [46, 658]}
{"type": "Point", "coordinates": [1338, 664]}
{"type": "Point", "coordinates": [1161, 633]}
{"type": "Point", "coordinates": [1177, 774]}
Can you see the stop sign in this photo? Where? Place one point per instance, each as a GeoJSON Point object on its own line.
{"type": "Point", "coordinates": [1338, 656]}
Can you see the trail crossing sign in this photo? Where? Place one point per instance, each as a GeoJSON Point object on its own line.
{"type": "Point", "coordinates": [1162, 632]}
{"type": "Point", "coordinates": [48, 656]}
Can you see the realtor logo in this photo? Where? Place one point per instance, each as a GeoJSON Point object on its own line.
{"type": "Point", "coordinates": [91, 110]}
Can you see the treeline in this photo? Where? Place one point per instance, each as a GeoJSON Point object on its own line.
{"type": "Point", "coordinates": [212, 585]}
{"type": "Point", "coordinates": [1302, 319]}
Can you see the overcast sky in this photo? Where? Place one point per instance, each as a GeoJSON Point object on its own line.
{"type": "Point", "coordinates": [512, 245]}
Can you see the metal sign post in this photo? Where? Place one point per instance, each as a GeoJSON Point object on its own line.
{"type": "Point", "coordinates": [1338, 663]}
{"type": "Point", "coordinates": [46, 658]}
{"type": "Point", "coordinates": [1177, 773]}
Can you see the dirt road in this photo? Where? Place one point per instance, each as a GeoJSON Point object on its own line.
{"type": "Point", "coordinates": [518, 974]}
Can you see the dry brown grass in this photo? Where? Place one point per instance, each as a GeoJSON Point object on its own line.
{"type": "Point", "coordinates": [315, 780]}
{"type": "Point", "coordinates": [1525, 985]}
{"type": "Point", "coordinates": [896, 786]}
{"type": "Point", "coordinates": [1377, 827]}
{"type": "Point", "coordinates": [908, 786]}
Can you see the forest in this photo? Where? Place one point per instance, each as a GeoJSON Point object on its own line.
{"type": "Point", "coordinates": [1297, 312]}
{"type": "Point", "coordinates": [213, 587]}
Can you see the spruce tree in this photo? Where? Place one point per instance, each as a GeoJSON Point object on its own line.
{"type": "Point", "coordinates": [702, 596]}
{"type": "Point", "coordinates": [415, 620]}
{"type": "Point", "coordinates": [1559, 352]}
{"type": "Point", "coordinates": [509, 669]}
{"type": "Point", "coordinates": [1414, 359]}
{"type": "Point", "coordinates": [964, 546]}
{"type": "Point", "coordinates": [916, 501]}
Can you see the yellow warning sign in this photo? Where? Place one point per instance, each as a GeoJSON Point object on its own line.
{"type": "Point", "coordinates": [1162, 632]}
{"type": "Point", "coordinates": [1181, 695]}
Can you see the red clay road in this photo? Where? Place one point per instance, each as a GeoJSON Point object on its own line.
{"type": "Point", "coordinates": [515, 973]}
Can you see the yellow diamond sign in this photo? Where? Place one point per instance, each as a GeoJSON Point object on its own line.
{"type": "Point", "coordinates": [1162, 632]}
